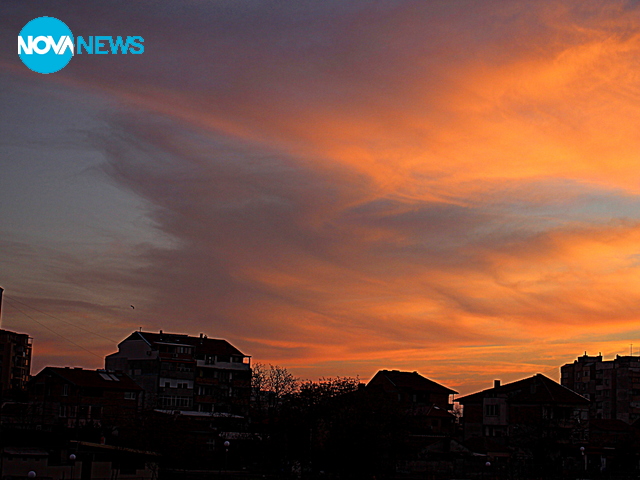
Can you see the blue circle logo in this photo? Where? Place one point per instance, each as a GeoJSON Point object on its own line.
{"type": "Point", "coordinates": [45, 45]}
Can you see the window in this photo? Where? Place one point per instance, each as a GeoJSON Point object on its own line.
{"type": "Point", "coordinates": [63, 411]}
{"type": "Point", "coordinates": [65, 390]}
{"type": "Point", "coordinates": [492, 410]}
{"type": "Point", "coordinates": [184, 367]}
{"type": "Point", "coordinates": [129, 395]}
{"type": "Point", "coordinates": [204, 390]}
{"type": "Point", "coordinates": [175, 401]}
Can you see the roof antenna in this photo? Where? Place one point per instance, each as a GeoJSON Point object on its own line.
{"type": "Point", "coordinates": [1, 290]}
{"type": "Point", "coordinates": [631, 349]}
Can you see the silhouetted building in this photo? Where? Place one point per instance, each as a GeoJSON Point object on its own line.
{"type": "Point", "coordinates": [183, 373]}
{"type": "Point", "coordinates": [15, 361]}
{"type": "Point", "coordinates": [534, 407]}
{"type": "Point", "coordinates": [613, 386]}
{"type": "Point", "coordinates": [92, 460]}
{"type": "Point", "coordinates": [427, 402]}
{"type": "Point", "coordinates": [74, 397]}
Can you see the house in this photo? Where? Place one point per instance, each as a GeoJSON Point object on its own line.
{"type": "Point", "coordinates": [412, 389]}
{"type": "Point", "coordinates": [75, 397]}
{"type": "Point", "coordinates": [427, 403]}
{"type": "Point", "coordinates": [184, 373]}
{"type": "Point", "coordinates": [532, 407]}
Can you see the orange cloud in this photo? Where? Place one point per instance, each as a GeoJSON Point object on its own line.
{"type": "Point", "coordinates": [450, 188]}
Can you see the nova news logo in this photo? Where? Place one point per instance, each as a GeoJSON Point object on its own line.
{"type": "Point", "coordinates": [46, 45]}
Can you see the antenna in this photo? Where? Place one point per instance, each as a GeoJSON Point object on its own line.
{"type": "Point", "coordinates": [631, 349]}
{"type": "Point", "coordinates": [1, 290]}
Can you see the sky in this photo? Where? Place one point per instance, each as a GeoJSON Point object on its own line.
{"type": "Point", "coordinates": [450, 187]}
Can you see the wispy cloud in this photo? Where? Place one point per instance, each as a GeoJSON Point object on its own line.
{"type": "Point", "coordinates": [434, 186]}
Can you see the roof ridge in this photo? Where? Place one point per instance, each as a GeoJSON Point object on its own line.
{"type": "Point", "coordinates": [546, 386]}
{"type": "Point", "coordinates": [387, 377]}
{"type": "Point", "coordinates": [570, 391]}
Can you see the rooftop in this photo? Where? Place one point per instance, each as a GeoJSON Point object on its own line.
{"type": "Point", "coordinates": [409, 381]}
{"type": "Point", "coordinates": [203, 344]}
{"type": "Point", "coordinates": [93, 378]}
{"type": "Point", "coordinates": [535, 389]}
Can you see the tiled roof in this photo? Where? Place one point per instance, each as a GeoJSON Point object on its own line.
{"type": "Point", "coordinates": [93, 378]}
{"type": "Point", "coordinates": [206, 345]}
{"type": "Point", "coordinates": [536, 389]}
{"type": "Point", "coordinates": [409, 381]}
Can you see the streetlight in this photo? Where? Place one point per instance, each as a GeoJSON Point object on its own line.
{"type": "Point", "coordinates": [584, 455]}
{"type": "Point", "coordinates": [226, 452]}
{"type": "Point", "coordinates": [31, 474]}
{"type": "Point", "coordinates": [72, 459]}
{"type": "Point", "coordinates": [487, 465]}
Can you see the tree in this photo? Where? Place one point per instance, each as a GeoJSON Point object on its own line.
{"type": "Point", "coordinates": [317, 393]}
{"type": "Point", "coordinates": [271, 385]}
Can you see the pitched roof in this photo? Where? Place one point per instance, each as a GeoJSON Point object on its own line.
{"type": "Point", "coordinates": [93, 378]}
{"type": "Point", "coordinates": [408, 381]}
{"type": "Point", "coordinates": [203, 344]}
{"type": "Point", "coordinates": [535, 389]}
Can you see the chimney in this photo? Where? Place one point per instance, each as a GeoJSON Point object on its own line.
{"type": "Point", "coordinates": [496, 384]}
{"type": "Point", "coordinates": [1, 290]}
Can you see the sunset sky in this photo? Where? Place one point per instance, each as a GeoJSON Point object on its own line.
{"type": "Point", "coordinates": [336, 187]}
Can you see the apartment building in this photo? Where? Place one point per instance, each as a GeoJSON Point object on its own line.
{"type": "Point", "coordinates": [184, 373]}
{"type": "Point", "coordinates": [612, 386]}
{"type": "Point", "coordinates": [15, 361]}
